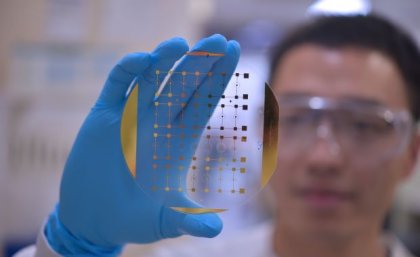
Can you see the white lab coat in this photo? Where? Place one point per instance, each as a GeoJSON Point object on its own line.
{"type": "Point", "coordinates": [255, 242]}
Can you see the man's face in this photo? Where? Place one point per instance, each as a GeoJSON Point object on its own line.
{"type": "Point", "coordinates": [322, 191]}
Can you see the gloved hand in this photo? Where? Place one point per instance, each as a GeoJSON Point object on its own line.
{"type": "Point", "coordinates": [101, 207]}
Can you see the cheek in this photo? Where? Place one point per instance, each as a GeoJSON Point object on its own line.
{"type": "Point", "coordinates": [376, 187]}
{"type": "Point", "coordinates": [280, 181]}
{"type": "Point", "coordinates": [281, 193]}
{"type": "Point", "coordinates": [284, 178]}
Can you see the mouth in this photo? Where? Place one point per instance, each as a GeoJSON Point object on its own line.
{"type": "Point", "coordinates": [320, 198]}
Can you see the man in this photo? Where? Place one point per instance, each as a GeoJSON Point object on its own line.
{"type": "Point", "coordinates": [348, 91]}
{"type": "Point", "coordinates": [337, 181]}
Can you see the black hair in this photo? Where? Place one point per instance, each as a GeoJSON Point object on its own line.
{"type": "Point", "coordinates": [371, 32]}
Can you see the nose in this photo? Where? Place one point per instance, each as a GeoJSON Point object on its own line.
{"type": "Point", "coordinates": [325, 134]}
{"type": "Point", "coordinates": [325, 156]}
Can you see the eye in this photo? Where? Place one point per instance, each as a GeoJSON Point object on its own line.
{"type": "Point", "coordinates": [295, 119]}
{"type": "Point", "coordinates": [298, 121]}
{"type": "Point", "coordinates": [363, 125]}
{"type": "Point", "coordinates": [291, 119]}
{"type": "Point", "coordinates": [371, 126]}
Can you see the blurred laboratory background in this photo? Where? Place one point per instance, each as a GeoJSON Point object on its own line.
{"type": "Point", "coordinates": [55, 56]}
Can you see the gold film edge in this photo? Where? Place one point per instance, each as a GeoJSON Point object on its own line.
{"type": "Point", "coordinates": [270, 137]}
{"type": "Point", "coordinates": [203, 53]}
{"type": "Point", "coordinates": [129, 130]}
{"type": "Point", "coordinates": [197, 210]}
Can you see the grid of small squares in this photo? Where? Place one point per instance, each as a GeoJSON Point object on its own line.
{"type": "Point", "coordinates": [210, 171]}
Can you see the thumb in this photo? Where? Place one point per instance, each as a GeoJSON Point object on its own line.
{"type": "Point", "coordinates": [201, 225]}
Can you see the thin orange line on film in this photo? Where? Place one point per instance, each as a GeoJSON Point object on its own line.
{"type": "Point", "coordinates": [203, 53]}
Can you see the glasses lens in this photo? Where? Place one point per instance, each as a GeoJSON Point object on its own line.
{"type": "Point", "coordinates": [297, 129]}
{"type": "Point", "coordinates": [365, 133]}
{"type": "Point", "coordinates": [362, 134]}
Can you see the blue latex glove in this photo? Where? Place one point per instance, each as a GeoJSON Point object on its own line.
{"type": "Point", "coordinates": [101, 207]}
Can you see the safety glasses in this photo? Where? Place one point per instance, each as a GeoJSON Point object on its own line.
{"type": "Point", "coordinates": [359, 129]}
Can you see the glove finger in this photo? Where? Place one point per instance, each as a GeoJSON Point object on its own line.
{"type": "Point", "coordinates": [163, 58]}
{"type": "Point", "coordinates": [200, 109]}
{"type": "Point", "coordinates": [184, 80]}
{"type": "Point", "coordinates": [201, 225]}
{"type": "Point", "coordinates": [120, 78]}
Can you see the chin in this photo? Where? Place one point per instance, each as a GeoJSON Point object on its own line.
{"type": "Point", "coordinates": [332, 224]}
{"type": "Point", "coordinates": [325, 230]}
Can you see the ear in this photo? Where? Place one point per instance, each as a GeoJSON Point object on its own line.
{"type": "Point", "coordinates": [413, 156]}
